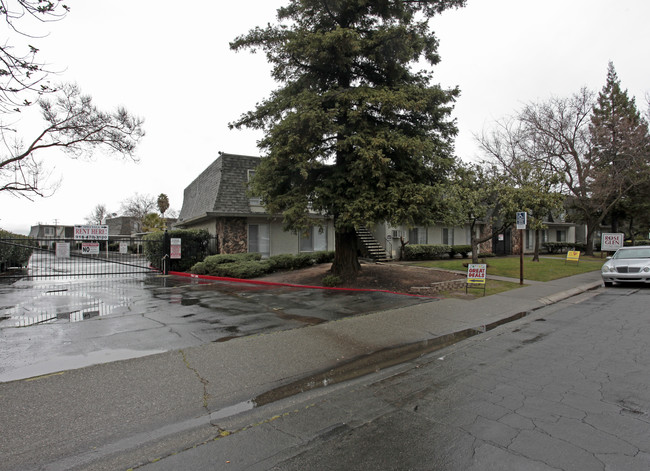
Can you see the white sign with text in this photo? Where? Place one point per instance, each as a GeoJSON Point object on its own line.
{"type": "Point", "coordinates": [611, 242]}
{"type": "Point", "coordinates": [90, 232]}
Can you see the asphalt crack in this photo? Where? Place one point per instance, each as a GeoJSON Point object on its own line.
{"type": "Point", "coordinates": [205, 382]}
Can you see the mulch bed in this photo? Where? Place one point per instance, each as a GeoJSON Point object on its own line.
{"type": "Point", "coordinates": [381, 276]}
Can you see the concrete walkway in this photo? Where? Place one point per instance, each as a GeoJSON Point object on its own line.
{"type": "Point", "coordinates": [202, 385]}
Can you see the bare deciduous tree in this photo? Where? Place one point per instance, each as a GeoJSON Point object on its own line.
{"type": "Point", "coordinates": [22, 76]}
{"type": "Point", "coordinates": [513, 151]}
{"type": "Point", "coordinates": [73, 123]}
{"type": "Point", "coordinates": [137, 207]}
{"type": "Point", "coordinates": [98, 215]}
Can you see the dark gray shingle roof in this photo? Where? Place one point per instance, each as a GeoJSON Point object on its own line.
{"type": "Point", "coordinates": [220, 189]}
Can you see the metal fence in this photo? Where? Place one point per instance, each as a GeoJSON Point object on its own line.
{"type": "Point", "coordinates": [21, 258]}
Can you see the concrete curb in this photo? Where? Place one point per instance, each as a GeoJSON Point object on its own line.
{"type": "Point", "coordinates": [391, 355]}
{"type": "Point", "coordinates": [561, 296]}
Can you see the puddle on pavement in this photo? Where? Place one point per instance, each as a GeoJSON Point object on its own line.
{"type": "Point", "coordinates": [354, 368]}
{"type": "Point", "coordinates": [70, 362]}
{"type": "Point", "coordinates": [72, 301]}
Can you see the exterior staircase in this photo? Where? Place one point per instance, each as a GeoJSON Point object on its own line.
{"type": "Point", "coordinates": [370, 245]}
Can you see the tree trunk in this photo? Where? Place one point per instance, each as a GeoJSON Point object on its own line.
{"type": "Point", "coordinates": [346, 262]}
{"type": "Point", "coordinates": [589, 250]}
{"type": "Point", "coordinates": [474, 248]}
{"type": "Point", "coordinates": [536, 255]}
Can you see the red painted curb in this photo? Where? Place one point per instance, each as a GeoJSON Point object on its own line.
{"type": "Point", "coordinates": [290, 285]}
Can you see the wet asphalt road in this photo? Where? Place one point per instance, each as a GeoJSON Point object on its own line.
{"type": "Point", "coordinates": [563, 389]}
{"type": "Point", "coordinates": [53, 324]}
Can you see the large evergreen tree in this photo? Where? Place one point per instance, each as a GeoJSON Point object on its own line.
{"type": "Point", "coordinates": [621, 147]}
{"type": "Point", "coordinates": [354, 132]}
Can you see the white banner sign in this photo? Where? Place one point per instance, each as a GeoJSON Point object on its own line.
{"type": "Point", "coordinates": [90, 232]}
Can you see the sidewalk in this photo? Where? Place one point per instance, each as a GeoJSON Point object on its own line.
{"type": "Point", "coordinates": [202, 385]}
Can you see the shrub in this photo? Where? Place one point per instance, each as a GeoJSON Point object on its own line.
{"type": "Point", "coordinates": [462, 250]}
{"type": "Point", "coordinates": [282, 261]}
{"type": "Point", "coordinates": [239, 269]}
{"type": "Point", "coordinates": [194, 248]}
{"type": "Point", "coordinates": [556, 247]}
{"type": "Point", "coordinates": [581, 247]}
{"type": "Point", "coordinates": [245, 269]}
{"type": "Point", "coordinates": [199, 269]}
{"type": "Point", "coordinates": [331, 281]}
{"type": "Point", "coordinates": [17, 252]}
{"type": "Point", "coordinates": [424, 252]}
{"type": "Point", "coordinates": [324, 256]}
{"type": "Point", "coordinates": [303, 260]}
{"type": "Point", "coordinates": [251, 265]}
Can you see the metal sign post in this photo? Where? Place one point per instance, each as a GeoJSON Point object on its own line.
{"type": "Point", "coordinates": [522, 219]}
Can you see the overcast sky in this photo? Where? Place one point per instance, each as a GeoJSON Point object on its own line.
{"type": "Point", "coordinates": [169, 62]}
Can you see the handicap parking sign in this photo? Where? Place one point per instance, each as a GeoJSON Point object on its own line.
{"type": "Point", "coordinates": [521, 220]}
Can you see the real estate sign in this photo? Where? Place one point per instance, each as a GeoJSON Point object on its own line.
{"type": "Point", "coordinates": [91, 232]}
{"type": "Point", "coordinates": [611, 242]}
{"type": "Point", "coordinates": [573, 256]}
{"type": "Point", "coordinates": [476, 273]}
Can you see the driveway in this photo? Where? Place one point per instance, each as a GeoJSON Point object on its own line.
{"type": "Point", "coordinates": [48, 325]}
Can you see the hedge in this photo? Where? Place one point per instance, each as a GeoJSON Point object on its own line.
{"type": "Point", "coordinates": [557, 247]}
{"type": "Point", "coordinates": [194, 248]}
{"type": "Point", "coordinates": [425, 252]}
{"type": "Point", "coordinates": [250, 265]}
{"type": "Point", "coordinates": [15, 255]}
{"type": "Point", "coordinates": [462, 250]}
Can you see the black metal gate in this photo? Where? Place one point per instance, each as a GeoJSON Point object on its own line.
{"type": "Point", "coordinates": [502, 243]}
{"type": "Point", "coordinates": [36, 258]}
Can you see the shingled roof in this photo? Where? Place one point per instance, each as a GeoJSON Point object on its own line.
{"type": "Point", "coordinates": [220, 190]}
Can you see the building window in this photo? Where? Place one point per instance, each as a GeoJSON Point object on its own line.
{"type": "Point", "coordinates": [561, 235]}
{"type": "Point", "coordinates": [448, 236]}
{"type": "Point", "coordinates": [258, 239]}
{"type": "Point", "coordinates": [417, 235]}
{"type": "Point", "coordinates": [253, 200]}
{"type": "Point", "coordinates": [530, 238]}
{"type": "Point", "coordinates": [313, 239]}
{"type": "Point", "coordinates": [48, 231]}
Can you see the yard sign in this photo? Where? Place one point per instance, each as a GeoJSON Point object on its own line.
{"type": "Point", "coordinates": [573, 256]}
{"type": "Point", "coordinates": [476, 276]}
{"type": "Point", "coordinates": [476, 273]}
{"type": "Point", "coordinates": [611, 242]}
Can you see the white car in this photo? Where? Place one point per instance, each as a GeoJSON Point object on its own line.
{"type": "Point", "coordinates": [629, 264]}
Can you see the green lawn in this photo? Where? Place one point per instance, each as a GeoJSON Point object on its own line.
{"type": "Point", "coordinates": [491, 287]}
{"type": "Point", "coordinates": [545, 270]}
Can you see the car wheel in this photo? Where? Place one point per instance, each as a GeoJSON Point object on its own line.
{"type": "Point", "coordinates": [608, 284]}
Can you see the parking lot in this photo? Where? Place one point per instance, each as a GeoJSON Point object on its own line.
{"type": "Point", "coordinates": [51, 324]}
